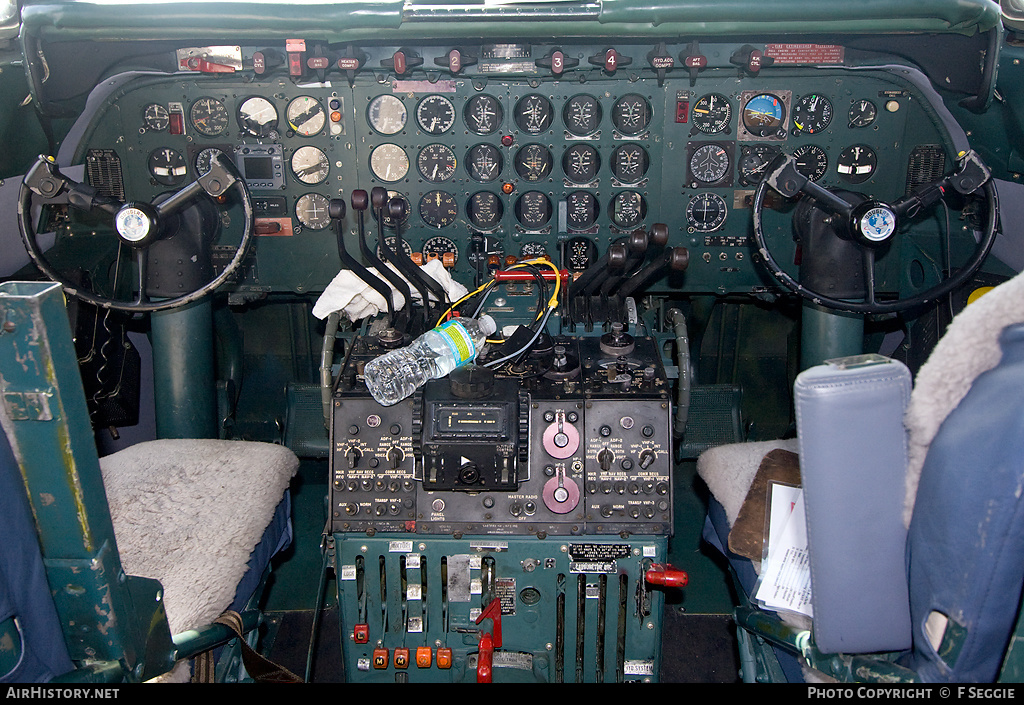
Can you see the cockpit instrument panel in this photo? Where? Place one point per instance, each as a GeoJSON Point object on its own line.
{"type": "Point", "coordinates": [521, 155]}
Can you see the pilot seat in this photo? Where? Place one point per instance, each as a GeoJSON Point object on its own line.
{"type": "Point", "coordinates": [199, 518]}
{"type": "Point", "coordinates": [913, 507]}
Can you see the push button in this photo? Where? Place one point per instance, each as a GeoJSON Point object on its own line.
{"type": "Point", "coordinates": [380, 658]}
{"type": "Point", "coordinates": [444, 657]}
{"type": "Point", "coordinates": [424, 656]}
{"type": "Point", "coordinates": [401, 657]}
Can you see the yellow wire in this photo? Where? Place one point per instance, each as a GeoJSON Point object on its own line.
{"type": "Point", "coordinates": [552, 302]}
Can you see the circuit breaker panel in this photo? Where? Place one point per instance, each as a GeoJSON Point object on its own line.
{"type": "Point", "coordinates": [558, 610]}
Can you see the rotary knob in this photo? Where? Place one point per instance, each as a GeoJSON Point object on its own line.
{"type": "Point", "coordinates": [561, 494]}
{"type": "Point", "coordinates": [561, 439]}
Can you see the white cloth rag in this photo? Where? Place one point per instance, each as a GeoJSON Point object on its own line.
{"type": "Point", "coordinates": [356, 299]}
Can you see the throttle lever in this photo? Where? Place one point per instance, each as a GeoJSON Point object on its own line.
{"type": "Point", "coordinates": [336, 210]}
{"type": "Point", "coordinates": [359, 203]}
{"type": "Point", "coordinates": [641, 243]}
{"type": "Point", "coordinates": [675, 258]}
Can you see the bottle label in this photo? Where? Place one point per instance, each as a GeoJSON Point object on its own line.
{"type": "Point", "coordinates": [458, 340]}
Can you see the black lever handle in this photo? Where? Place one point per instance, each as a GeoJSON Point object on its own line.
{"type": "Point", "coordinates": [336, 210]}
{"type": "Point", "coordinates": [360, 201]}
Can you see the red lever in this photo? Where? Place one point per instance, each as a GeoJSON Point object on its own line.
{"type": "Point", "coordinates": [493, 612]}
{"type": "Point", "coordinates": [666, 576]}
{"type": "Point", "coordinates": [488, 642]}
{"type": "Point", "coordinates": [485, 660]}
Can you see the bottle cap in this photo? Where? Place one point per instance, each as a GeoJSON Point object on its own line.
{"type": "Point", "coordinates": [487, 324]}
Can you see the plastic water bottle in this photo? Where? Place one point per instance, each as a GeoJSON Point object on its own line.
{"type": "Point", "coordinates": [395, 375]}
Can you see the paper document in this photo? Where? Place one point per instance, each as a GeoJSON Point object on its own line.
{"type": "Point", "coordinates": [785, 582]}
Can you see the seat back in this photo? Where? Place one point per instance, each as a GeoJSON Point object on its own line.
{"type": "Point", "coordinates": [966, 541]}
{"type": "Point", "coordinates": [34, 649]}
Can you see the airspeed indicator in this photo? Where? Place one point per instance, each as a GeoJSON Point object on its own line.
{"type": "Point", "coordinates": [712, 113]}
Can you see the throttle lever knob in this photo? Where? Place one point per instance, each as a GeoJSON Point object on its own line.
{"type": "Point", "coordinates": [360, 200]}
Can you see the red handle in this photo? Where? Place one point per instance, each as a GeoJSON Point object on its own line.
{"type": "Point", "coordinates": [666, 576]}
{"type": "Point", "coordinates": [485, 660]}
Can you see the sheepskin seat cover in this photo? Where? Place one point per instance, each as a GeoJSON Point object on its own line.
{"type": "Point", "coordinates": [189, 512]}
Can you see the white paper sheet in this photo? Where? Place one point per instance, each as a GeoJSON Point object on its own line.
{"type": "Point", "coordinates": [786, 572]}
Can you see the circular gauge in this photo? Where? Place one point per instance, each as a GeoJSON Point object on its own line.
{"type": "Point", "coordinates": [204, 160]}
{"type": "Point", "coordinates": [812, 114]}
{"type": "Point", "coordinates": [533, 113]}
{"type": "Point", "coordinates": [389, 220]}
{"type": "Point", "coordinates": [709, 163]}
{"type": "Point", "coordinates": [631, 114]}
{"type": "Point", "coordinates": [581, 210]}
{"type": "Point", "coordinates": [436, 163]}
{"type": "Point", "coordinates": [857, 163]}
{"type": "Point", "coordinates": [862, 113]}
{"type": "Point", "coordinates": [485, 210]}
{"type": "Point", "coordinates": [811, 161]}
{"type": "Point", "coordinates": [533, 162]}
{"type": "Point", "coordinates": [764, 115]}
{"type": "Point", "coordinates": [630, 163]}
{"type": "Point", "coordinates": [435, 114]}
{"type": "Point", "coordinates": [306, 116]}
{"type": "Point", "coordinates": [397, 245]}
{"type": "Point", "coordinates": [580, 163]}
{"type": "Point", "coordinates": [155, 117]}
{"type": "Point", "coordinates": [582, 115]}
{"type": "Point", "coordinates": [483, 114]}
{"type": "Point", "coordinates": [532, 250]}
{"type": "Point", "coordinates": [580, 254]}
{"type": "Point", "coordinates": [753, 162]}
{"type": "Point", "coordinates": [312, 210]}
{"type": "Point", "coordinates": [484, 163]}
{"type": "Point", "coordinates": [706, 212]}
{"type": "Point", "coordinates": [389, 162]}
{"type": "Point", "coordinates": [712, 113]}
{"type": "Point", "coordinates": [257, 116]}
{"type": "Point", "coordinates": [533, 210]}
{"type": "Point", "coordinates": [310, 165]}
{"type": "Point", "coordinates": [627, 209]}
{"type": "Point", "coordinates": [209, 116]}
{"type": "Point", "coordinates": [439, 247]}
{"type": "Point", "coordinates": [387, 114]}
{"type": "Point", "coordinates": [438, 209]}
{"type": "Point", "coordinates": [167, 166]}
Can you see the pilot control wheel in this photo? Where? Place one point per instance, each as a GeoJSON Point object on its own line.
{"type": "Point", "coordinates": [868, 225]}
{"type": "Point", "coordinates": [139, 226]}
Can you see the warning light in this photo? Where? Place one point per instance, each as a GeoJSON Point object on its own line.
{"type": "Point", "coordinates": [682, 111]}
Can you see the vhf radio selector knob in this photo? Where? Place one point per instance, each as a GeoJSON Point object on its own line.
{"type": "Point", "coordinates": [561, 494]}
{"type": "Point", "coordinates": [561, 439]}
{"type": "Point", "coordinates": [352, 456]}
{"type": "Point", "coordinates": [647, 458]}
